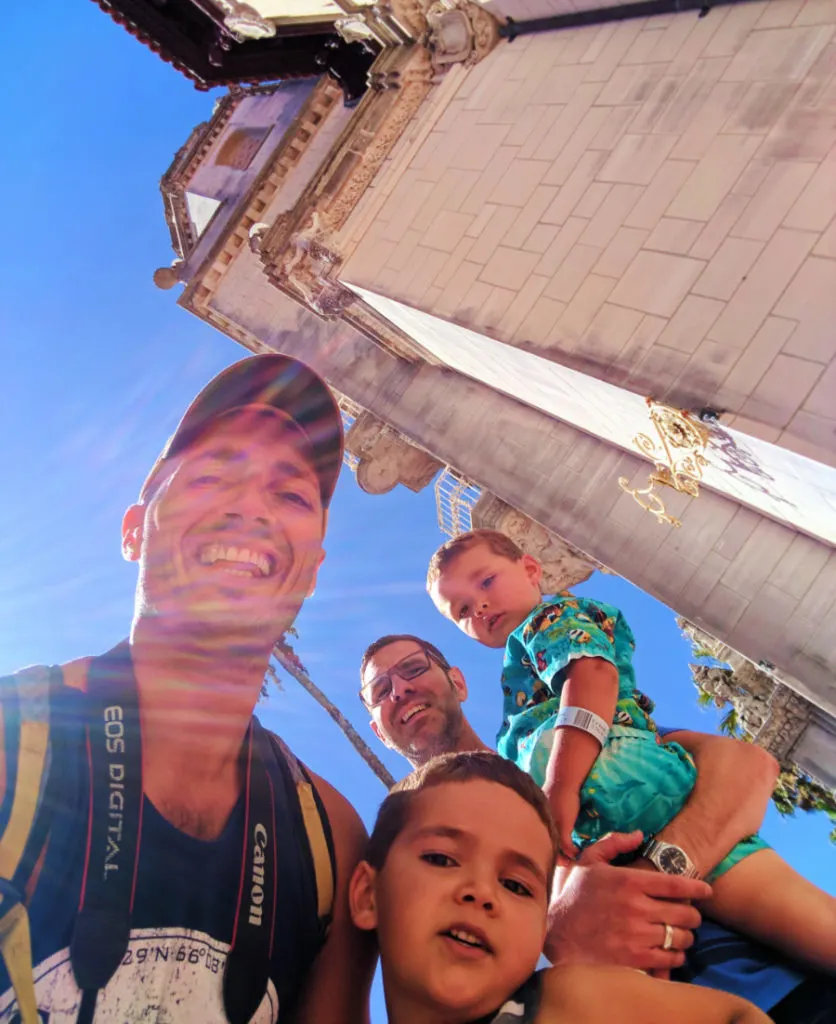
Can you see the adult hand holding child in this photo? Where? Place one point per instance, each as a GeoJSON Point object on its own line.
{"type": "Point", "coordinates": [609, 917]}
{"type": "Point", "coordinates": [601, 916]}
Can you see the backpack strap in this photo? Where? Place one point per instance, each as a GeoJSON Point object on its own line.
{"type": "Point", "coordinates": [317, 829]}
{"type": "Point", "coordinates": [32, 781]}
{"type": "Point", "coordinates": [26, 698]}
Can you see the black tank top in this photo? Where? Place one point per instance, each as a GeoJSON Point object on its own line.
{"type": "Point", "coordinates": [184, 909]}
{"type": "Point", "coordinates": [522, 1006]}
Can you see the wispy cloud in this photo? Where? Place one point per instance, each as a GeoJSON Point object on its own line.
{"type": "Point", "coordinates": [393, 589]}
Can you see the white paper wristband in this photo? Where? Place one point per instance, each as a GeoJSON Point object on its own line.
{"type": "Point", "coordinates": [587, 721]}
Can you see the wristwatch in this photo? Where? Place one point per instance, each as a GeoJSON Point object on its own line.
{"type": "Point", "coordinates": [670, 859]}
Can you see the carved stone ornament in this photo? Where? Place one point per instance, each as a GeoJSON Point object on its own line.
{"type": "Point", "coordinates": [307, 268]}
{"type": "Point", "coordinates": [409, 15]}
{"type": "Point", "coordinates": [460, 32]}
{"type": "Point", "coordinates": [245, 21]}
{"type": "Point", "coordinates": [564, 566]}
{"type": "Point", "coordinates": [168, 277]}
{"type": "Point", "coordinates": [354, 29]}
{"type": "Point", "coordinates": [385, 458]}
{"type": "Point", "coordinates": [297, 250]}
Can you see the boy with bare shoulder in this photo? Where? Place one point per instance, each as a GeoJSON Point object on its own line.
{"type": "Point", "coordinates": [456, 884]}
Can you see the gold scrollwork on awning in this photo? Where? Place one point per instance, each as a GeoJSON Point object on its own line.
{"type": "Point", "coordinates": [677, 455]}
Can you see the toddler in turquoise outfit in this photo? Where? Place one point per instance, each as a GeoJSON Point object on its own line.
{"type": "Point", "coordinates": [574, 719]}
{"type": "Point", "coordinates": [637, 782]}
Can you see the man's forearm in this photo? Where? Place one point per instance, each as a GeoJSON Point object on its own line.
{"type": "Point", "coordinates": [728, 802]}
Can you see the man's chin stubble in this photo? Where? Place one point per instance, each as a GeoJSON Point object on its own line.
{"type": "Point", "coordinates": [215, 627]}
{"type": "Point", "coordinates": [442, 743]}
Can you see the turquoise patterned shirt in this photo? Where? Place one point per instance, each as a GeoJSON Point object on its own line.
{"type": "Point", "coordinates": [537, 658]}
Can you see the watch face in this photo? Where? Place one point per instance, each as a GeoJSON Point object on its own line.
{"type": "Point", "coordinates": [673, 861]}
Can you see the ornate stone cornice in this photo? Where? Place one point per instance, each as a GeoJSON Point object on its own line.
{"type": "Point", "coordinates": [175, 182]}
{"type": "Point", "coordinates": [325, 96]}
{"type": "Point", "coordinates": [411, 14]}
{"type": "Point", "coordinates": [400, 78]}
{"type": "Point", "coordinates": [187, 159]}
{"type": "Point", "coordinates": [363, 318]}
{"type": "Point", "coordinates": [301, 250]}
{"type": "Point", "coordinates": [233, 330]}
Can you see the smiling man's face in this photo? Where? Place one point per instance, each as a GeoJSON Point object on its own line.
{"type": "Point", "coordinates": [231, 539]}
{"type": "Point", "coordinates": [422, 716]}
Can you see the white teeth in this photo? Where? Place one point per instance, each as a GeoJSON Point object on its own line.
{"type": "Point", "coordinates": [413, 711]}
{"type": "Point", "coordinates": [218, 552]}
{"type": "Point", "coordinates": [467, 937]}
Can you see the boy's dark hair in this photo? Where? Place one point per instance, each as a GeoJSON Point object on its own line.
{"type": "Point", "coordinates": [499, 544]}
{"type": "Point", "coordinates": [396, 638]}
{"type": "Point", "coordinates": [393, 815]}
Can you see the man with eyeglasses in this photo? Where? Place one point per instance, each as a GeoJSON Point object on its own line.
{"type": "Point", "coordinates": [602, 914]}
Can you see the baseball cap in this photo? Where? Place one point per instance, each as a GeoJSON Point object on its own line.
{"type": "Point", "coordinates": [282, 382]}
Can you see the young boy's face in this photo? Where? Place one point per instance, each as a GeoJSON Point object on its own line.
{"type": "Point", "coordinates": [487, 595]}
{"type": "Point", "coordinates": [460, 903]}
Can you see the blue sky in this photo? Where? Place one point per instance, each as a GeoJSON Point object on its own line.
{"type": "Point", "coordinates": [97, 367]}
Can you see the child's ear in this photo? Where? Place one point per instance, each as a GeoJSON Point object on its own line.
{"type": "Point", "coordinates": [534, 570]}
{"type": "Point", "coordinates": [362, 897]}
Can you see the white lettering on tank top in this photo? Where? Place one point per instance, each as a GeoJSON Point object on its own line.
{"type": "Point", "coordinates": [167, 976]}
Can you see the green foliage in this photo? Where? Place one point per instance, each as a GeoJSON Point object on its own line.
{"type": "Point", "coordinates": [701, 652]}
{"type": "Point", "coordinates": [795, 790]}
{"type": "Point", "coordinates": [730, 724]}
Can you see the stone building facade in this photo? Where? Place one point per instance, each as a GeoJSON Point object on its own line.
{"type": "Point", "coordinates": [770, 713]}
{"type": "Point", "coordinates": [592, 270]}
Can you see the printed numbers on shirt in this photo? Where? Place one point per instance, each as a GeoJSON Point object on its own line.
{"type": "Point", "coordinates": [168, 975]}
{"type": "Point", "coordinates": [170, 953]}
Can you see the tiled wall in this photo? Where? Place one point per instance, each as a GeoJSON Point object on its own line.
{"type": "Point", "coordinates": [652, 202]}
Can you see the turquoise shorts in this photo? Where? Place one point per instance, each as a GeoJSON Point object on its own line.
{"type": "Point", "coordinates": [637, 782]}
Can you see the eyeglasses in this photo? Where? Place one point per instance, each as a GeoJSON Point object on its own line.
{"type": "Point", "coordinates": [374, 693]}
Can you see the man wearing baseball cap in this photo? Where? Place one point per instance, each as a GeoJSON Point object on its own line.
{"type": "Point", "coordinates": [174, 859]}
